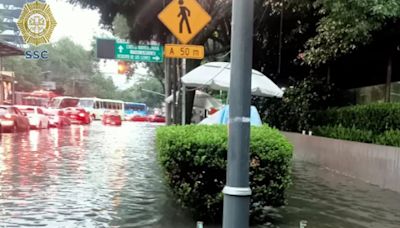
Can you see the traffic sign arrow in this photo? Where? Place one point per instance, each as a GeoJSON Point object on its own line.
{"type": "Point", "coordinates": [120, 48]}
{"type": "Point", "coordinates": [156, 58]}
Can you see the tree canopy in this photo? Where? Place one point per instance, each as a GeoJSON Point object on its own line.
{"type": "Point", "coordinates": [347, 24]}
{"type": "Point", "coordinates": [76, 73]}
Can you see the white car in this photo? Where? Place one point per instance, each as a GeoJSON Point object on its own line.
{"type": "Point", "coordinates": [36, 116]}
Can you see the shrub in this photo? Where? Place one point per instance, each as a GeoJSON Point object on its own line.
{"type": "Point", "coordinates": [389, 138]}
{"type": "Point", "coordinates": [194, 160]}
{"type": "Point", "coordinates": [340, 132]}
{"type": "Point", "coordinates": [295, 111]}
{"type": "Point", "coordinates": [377, 118]}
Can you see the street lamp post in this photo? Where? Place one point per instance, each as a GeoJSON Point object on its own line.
{"type": "Point", "coordinates": [237, 191]}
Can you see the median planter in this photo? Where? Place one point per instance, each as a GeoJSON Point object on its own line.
{"type": "Point", "coordinates": [194, 161]}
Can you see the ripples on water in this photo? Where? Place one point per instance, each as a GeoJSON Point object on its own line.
{"type": "Point", "coordinates": [83, 176]}
{"type": "Point", "coordinates": [96, 176]}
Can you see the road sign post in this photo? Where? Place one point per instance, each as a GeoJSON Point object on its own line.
{"type": "Point", "coordinates": [237, 191]}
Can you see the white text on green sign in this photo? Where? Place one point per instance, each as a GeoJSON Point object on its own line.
{"type": "Point", "coordinates": [139, 53]}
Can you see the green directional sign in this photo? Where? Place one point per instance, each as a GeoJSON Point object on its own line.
{"type": "Point", "coordinates": [139, 53]}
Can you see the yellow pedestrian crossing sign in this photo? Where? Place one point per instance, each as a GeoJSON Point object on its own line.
{"type": "Point", "coordinates": [185, 19]}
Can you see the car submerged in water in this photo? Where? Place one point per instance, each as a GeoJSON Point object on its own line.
{"type": "Point", "coordinates": [70, 109]}
{"type": "Point", "coordinates": [111, 118]}
{"type": "Point", "coordinates": [36, 116]}
{"type": "Point", "coordinates": [13, 120]}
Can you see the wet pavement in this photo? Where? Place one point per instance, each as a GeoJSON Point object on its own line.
{"type": "Point", "coordinates": [97, 176]}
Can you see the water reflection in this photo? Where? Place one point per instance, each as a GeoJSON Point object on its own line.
{"type": "Point", "coordinates": [96, 176]}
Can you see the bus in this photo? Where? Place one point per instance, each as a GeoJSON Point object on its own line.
{"type": "Point", "coordinates": [63, 102]}
{"type": "Point", "coordinates": [132, 109]}
{"type": "Point", "coordinates": [36, 98]}
{"type": "Point", "coordinates": [97, 106]}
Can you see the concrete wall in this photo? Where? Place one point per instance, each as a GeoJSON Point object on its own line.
{"type": "Point", "coordinates": [379, 165]}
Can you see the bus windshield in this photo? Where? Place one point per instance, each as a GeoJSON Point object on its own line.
{"type": "Point", "coordinates": [64, 103]}
{"type": "Point", "coordinates": [86, 103]}
{"type": "Point", "coordinates": [135, 108]}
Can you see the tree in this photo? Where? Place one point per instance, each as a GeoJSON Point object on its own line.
{"type": "Point", "coordinates": [27, 73]}
{"type": "Point", "coordinates": [297, 21]}
{"type": "Point", "coordinates": [144, 26]}
{"type": "Point", "coordinates": [74, 70]}
{"type": "Point", "coordinates": [137, 92]}
{"type": "Point", "coordinates": [347, 25]}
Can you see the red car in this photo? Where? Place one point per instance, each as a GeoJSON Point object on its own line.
{"type": "Point", "coordinates": [77, 115]}
{"type": "Point", "coordinates": [12, 119]}
{"type": "Point", "coordinates": [57, 119]}
{"type": "Point", "coordinates": [111, 118]}
{"type": "Point", "coordinates": [156, 118]}
{"type": "Point", "coordinates": [138, 118]}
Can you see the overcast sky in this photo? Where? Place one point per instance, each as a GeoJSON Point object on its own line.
{"type": "Point", "coordinates": [81, 25]}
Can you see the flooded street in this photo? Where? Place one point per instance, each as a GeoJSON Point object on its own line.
{"type": "Point", "coordinates": [96, 176]}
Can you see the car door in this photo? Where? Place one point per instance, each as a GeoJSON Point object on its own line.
{"type": "Point", "coordinates": [43, 118]}
{"type": "Point", "coordinates": [23, 122]}
{"type": "Point", "coordinates": [16, 117]}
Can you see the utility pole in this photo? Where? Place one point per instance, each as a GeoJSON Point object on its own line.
{"type": "Point", "coordinates": [167, 69]}
{"type": "Point", "coordinates": [237, 191]}
{"type": "Point", "coordinates": [280, 39]}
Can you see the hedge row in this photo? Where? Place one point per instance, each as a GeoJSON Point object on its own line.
{"type": "Point", "coordinates": [377, 118]}
{"type": "Point", "coordinates": [389, 138]}
{"type": "Point", "coordinates": [194, 160]}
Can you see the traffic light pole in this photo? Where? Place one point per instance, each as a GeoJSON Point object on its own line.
{"type": "Point", "coordinates": [237, 191]}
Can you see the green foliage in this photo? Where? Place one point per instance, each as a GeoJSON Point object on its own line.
{"type": "Point", "coordinates": [135, 93]}
{"type": "Point", "coordinates": [295, 111]}
{"type": "Point", "coordinates": [377, 118]}
{"type": "Point", "coordinates": [389, 138]}
{"type": "Point", "coordinates": [347, 24]}
{"type": "Point", "coordinates": [194, 161]}
{"type": "Point", "coordinates": [340, 132]}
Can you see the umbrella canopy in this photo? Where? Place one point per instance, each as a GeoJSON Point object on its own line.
{"type": "Point", "coordinates": [216, 75]}
{"type": "Point", "coordinates": [201, 100]}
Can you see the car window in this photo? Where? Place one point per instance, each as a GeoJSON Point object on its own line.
{"type": "Point", "coordinates": [3, 110]}
{"type": "Point", "coordinates": [17, 111]}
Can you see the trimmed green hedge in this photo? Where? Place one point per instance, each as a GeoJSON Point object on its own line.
{"type": "Point", "coordinates": [194, 161]}
{"type": "Point", "coordinates": [377, 118]}
{"type": "Point", "coordinates": [389, 138]}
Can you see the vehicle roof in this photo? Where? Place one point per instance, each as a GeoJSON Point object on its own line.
{"type": "Point", "coordinates": [134, 103]}
{"type": "Point", "coordinates": [110, 100]}
{"type": "Point", "coordinates": [26, 106]}
{"type": "Point", "coordinates": [62, 97]}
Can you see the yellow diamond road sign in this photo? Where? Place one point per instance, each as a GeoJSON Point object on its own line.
{"type": "Point", "coordinates": [185, 19]}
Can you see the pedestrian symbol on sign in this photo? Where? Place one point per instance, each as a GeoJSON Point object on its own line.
{"type": "Point", "coordinates": [184, 18]}
{"type": "Point", "coordinates": [184, 14]}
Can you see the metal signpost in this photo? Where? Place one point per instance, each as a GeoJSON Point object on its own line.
{"type": "Point", "coordinates": [237, 191]}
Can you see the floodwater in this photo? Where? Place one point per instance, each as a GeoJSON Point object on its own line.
{"type": "Point", "coordinates": [98, 176]}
